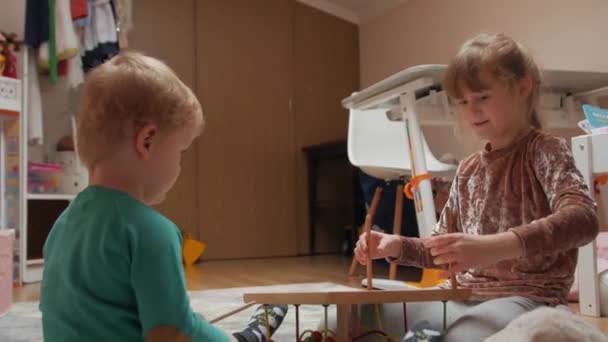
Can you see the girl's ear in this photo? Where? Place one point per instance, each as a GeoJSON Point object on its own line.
{"type": "Point", "coordinates": [525, 87]}
{"type": "Point", "coordinates": [144, 140]}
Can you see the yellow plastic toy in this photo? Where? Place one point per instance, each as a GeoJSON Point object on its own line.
{"type": "Point", "coordinates": [192, 250]}
{"type": "Point", "coordinates": [430, 278]}
{"type": "Point", "coordinates": [2, 63]}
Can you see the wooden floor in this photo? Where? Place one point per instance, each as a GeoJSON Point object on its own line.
{"type": "Point", "coordinates": [252, 272]}
{"type": "Point", "coordinates": [273, 271]}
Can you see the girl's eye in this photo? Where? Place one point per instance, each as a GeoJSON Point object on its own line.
{"type": "Point", "coordinates": [484, 97]}
{"type": "Point", "coordinates": [462, 102]}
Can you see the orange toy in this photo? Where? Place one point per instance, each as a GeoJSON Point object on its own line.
{"type": "Point", "coordinates": [192, 250]}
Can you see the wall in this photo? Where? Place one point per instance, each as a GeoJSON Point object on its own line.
{"type": "Point", "coordinates": [12, 16]}
{"type": "Point", "coordinates": [561, 34]}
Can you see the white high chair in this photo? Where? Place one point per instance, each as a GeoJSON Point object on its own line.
{"type": "Point", "coordinates": [397, 95]}
{"type": "Point", "coordinates": [385, 141]}
{"type": "Point", "coordinates": [377, 145]}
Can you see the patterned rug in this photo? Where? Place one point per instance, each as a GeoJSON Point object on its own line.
{"type": "Point", "coordinates": [23, 322]}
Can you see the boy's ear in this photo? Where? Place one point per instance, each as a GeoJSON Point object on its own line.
{"type": "Point", "coordinates": [144, 140]}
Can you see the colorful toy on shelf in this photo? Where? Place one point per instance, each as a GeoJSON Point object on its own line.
{"type": "Point", "coordinates": [74, 176]}
{"type": "Point", "coordinates": [66, 144]}
{"type": "Point", "coordinates": [10, 96]}
{"type": "Point", "coordinates": [2, 63]}
{"type": "Point", "coordinates": [10, 86]}
{"type": "Point", "coordinates": [9, 45]}
{"type": "Point", "coordinates": [43, 178]}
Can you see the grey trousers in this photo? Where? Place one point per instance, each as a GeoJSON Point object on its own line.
{"type": "Point", "coordinates": [466, 321]}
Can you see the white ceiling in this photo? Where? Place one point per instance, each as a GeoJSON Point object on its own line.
{"type": "Point", "coordinates": [357, 11]}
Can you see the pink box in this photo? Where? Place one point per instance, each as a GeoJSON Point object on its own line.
{"type": "Point", "coordinates": [6, 269]}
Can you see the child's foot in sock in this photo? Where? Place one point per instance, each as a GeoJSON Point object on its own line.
{"type": "Point", "coordinates": [422, 332]}
{"type": "Point", "coordinates": [256, 330]}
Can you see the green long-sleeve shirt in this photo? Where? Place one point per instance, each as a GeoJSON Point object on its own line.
{"type": "Point", "coordinates": [113, 272]}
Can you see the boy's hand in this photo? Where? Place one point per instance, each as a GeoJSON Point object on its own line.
{"type": "Point", "coordinates": [459, 252]}
{"type": "Point", "coordinates": [382, 246]}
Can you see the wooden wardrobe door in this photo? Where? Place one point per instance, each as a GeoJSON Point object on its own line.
{"type": "Point", "coordinates": [326, 70]}
{"type": "Point", "coordinates": [165, 30]}
{"type": "Point", "coordinates": [246, 153]}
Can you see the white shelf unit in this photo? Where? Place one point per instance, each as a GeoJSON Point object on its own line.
{"type": "Point", "coordinates": [30, 269]}
{"type": "Point", "coordinates": [50, 197]}
{"type": "Point", "coordinates": [591, 158]}
{"type": "Point", "coordinates": [33, 262]}
{"type": "Point", "coordinates": [10, 108]}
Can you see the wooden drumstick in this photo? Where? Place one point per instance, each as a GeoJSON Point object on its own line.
{"type": "Point", "coordinates": [368, 269]}
{"type": "Point", "coordinates": [232, 312]}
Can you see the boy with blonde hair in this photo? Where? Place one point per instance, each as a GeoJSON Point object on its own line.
{"type": "Point", "coordinates": [113, 265]}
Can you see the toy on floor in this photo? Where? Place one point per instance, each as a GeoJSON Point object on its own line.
{"type": "Point", "coordinates": [347, 299]}
{"type": "Point", "coordinates": [315, 336]}
{"type": "Point", "coordinates": [192, 250]}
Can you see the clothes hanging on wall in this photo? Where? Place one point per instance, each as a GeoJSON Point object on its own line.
{"type": "Point", "coordinates": [84, 21]}
{"type": "Point", "coordinates": [41, 18]}
{"type": "Point", "coordinates": [52, 43]}
{"type": "Point", "coordinates": [75, 73]}
{"type": "Point", "coordinates": [85, 27]}
{"type": "Point", "coordinates": [37, 29]}
{"type": "Point", "coordinates": [66, 41]}
{"type": "Point", "coordinates": [34, 127]}
{"type": "Point", "coordinates": [36, 22]}
{"type": "Point", "coordinates": [100, 39]}
{"type": "Point", "coordinates": [84, 34]}
{"type": "Point", "coordinates": [79, 9]}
